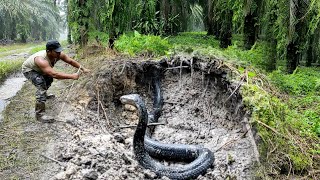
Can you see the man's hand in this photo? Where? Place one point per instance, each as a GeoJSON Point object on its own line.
{"type": "Point", "coordinates": [75, 76]}
{"type": "Point", "coordinates": [84, 70]}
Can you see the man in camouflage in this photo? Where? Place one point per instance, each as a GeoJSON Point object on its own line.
{"type": "Point", "coordinates": [38, 68]}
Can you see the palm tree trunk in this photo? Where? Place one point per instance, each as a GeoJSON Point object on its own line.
{"type": "Point", "coordinates": [309, 53]}
{"type": "Point", "coordinates": [249, 31]}
{"type": "Point", "coordinates": [69, 38]}
{"type": "Point", "coordinates": [294, 54]}
{"type": "Point", "coordinates": [84, 26]}
{"type": "Point", "coordinates": [226, 28]}
{"type": "Point", "coordinates": [208, 17]}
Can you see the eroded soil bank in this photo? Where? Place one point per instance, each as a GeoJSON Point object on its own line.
{"type": "Point", "coordinates": [201, 107]}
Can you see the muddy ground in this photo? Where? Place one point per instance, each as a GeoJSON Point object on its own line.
{"type": "Point", "coordinates": [90, 140]}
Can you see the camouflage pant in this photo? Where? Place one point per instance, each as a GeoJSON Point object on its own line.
{"type": "Point", "coordinates": [42, 83]}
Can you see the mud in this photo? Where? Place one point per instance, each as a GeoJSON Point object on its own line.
{"type": "Point", "coordinates": [9, 88]}
{"type": "Point", "coordinates": [201, 107]}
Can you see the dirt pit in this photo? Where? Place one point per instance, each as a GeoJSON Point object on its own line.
{"type": "Point", "coordinates": [200, 107]}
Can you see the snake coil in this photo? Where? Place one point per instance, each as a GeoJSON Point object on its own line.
{"type": "Point", "coordinates": [144, 148]}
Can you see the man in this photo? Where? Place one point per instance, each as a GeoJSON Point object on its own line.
{"type": "Point", "coordinates": [38, 68]}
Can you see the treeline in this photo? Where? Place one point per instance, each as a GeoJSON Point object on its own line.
{"type": "Point", "coordinates": [290, 27]}
{"type": "Point", "coordinates": [32, 20]}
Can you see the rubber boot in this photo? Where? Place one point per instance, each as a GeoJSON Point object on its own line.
{"type": "Point", "coordinates": [50, 96]}
{"type": "Point", "coordinates": [40, 113]}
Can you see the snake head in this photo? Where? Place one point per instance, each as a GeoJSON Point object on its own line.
{"type": "Point", "coordinates": [131, 99]}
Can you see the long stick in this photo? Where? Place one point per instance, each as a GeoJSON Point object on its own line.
{"type": "Point", "coordinates": [178, 67]}
{"type": "Point", "coordinates": [56, 161]}
{"type": "Point", "coordinates": [150, 124]}
{"type": "Point", "coordinates": [64, 103]}
{"type": "Point", "coordinates": [241, 80]}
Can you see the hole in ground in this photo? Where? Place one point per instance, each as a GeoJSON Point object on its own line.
{"type": "Point", "coordinates": [201, 107]}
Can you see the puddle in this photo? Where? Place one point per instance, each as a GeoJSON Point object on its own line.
{"type": "Point", "coordinates": [9, 88]}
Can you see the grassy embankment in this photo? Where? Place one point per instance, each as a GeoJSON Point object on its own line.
{"type": "Point", "coordinates": [285, 107]}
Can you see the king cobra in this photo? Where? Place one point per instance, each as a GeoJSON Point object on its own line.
{"type": "Point", "coordinates": [202, 158]}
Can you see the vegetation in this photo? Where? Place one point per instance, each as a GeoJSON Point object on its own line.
{"type": "Point", "coordinates": [8, 67]}
{"type": "Point", "coordinates": [144, 45]}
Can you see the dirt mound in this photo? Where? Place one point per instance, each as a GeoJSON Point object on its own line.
{"type": "Point", "coordinates": [201, 107]}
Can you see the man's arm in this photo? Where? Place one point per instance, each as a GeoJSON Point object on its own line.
{"type": "Point", "coordinates": [47, 69]}
{"type": "Point", "coordinates": [72, 62]}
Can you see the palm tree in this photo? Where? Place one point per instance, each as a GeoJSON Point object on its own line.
{"type": "Point", "coordinates": [28, 17]}
{"type": "Point", "coordinates": [250, 27]}
{"type": "Point", "coordinates": [296, 33]}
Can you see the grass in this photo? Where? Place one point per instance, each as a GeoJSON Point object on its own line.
{"type": "Point", "coordinates": [19, 48]}
{"type": "Point", "coordinates": [8, 67]}
{"type": "Point", "coordinates": [143, 45]}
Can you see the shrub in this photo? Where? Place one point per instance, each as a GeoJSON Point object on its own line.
{"type": "Point", "coordinates": [143, 45]}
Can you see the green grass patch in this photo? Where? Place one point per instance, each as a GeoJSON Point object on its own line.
{"type": "Point", "coordinates": [9, 66]}
{"type": "Point", "coordinates": [142, 45]}
{"type": "Point", "coordinates": [11, 47]}
{"type": "Point", "coordinates": [19, 48]}
{"type": "Point", "coordinates": [194, 40]}
{"type": "Point", "coordinates": [200, 43]}
{"type": "Point", "coordinates": [22, 138]}
{"type": "Point", "coordinates": [302, 82]}
{"type": "Point", "coordinates": [37, 48]}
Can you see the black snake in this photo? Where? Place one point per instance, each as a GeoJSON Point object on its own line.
{"type": "Point", "coordinates": [144, 147]}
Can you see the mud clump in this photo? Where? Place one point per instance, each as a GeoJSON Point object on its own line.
{"type": "Point", "coordinates": [201, 107]}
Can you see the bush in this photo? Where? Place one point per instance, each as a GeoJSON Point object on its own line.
{"type": "Point", "coordinates": [302, 82]}
{"type": "Point", "coordinates": [143, 45]}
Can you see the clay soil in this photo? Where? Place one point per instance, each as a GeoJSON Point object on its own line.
{"type": "Point", "coordinates": [92, 138]}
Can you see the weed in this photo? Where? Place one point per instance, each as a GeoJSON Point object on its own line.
{"type": "Point", "coordinates": [143, 45]}
{"type": "Point", "coordinates": [37, 48]}
{"type": "Point", "coordinates": [302, 82]}
{"type": "Point", "coordinates": [8, 67]}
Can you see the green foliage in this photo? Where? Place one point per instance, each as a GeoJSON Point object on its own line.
{"type": "Point", "coordinates": [194, 39]}
{"type": "Point", "coordinates": [203, 44]}
{"type": "Point", "coordinates": [289, 130]}
{"type": "Point", "coordinates": [145, 45]}
{"type": "Point", "coordinates": [302, 82]}
{"type": "Point", "coordinates": [100, 37]}
{"type": "Point", "coordinates": [114, 17]}
{"type": "Point", "coordinates": [256, 56]}
{"type": "Point", "coordinates": [37, 48]}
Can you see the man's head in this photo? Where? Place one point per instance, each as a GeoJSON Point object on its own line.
{"type": "Point", "coordinates": [53, 45]}
{"type": "Point", "coordinates": [54, 49]}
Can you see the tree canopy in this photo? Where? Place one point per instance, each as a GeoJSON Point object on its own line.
{"type": "Point", "coordinates": [290, 27]}
{"type": "Point", "coordinates": [22, 20]}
